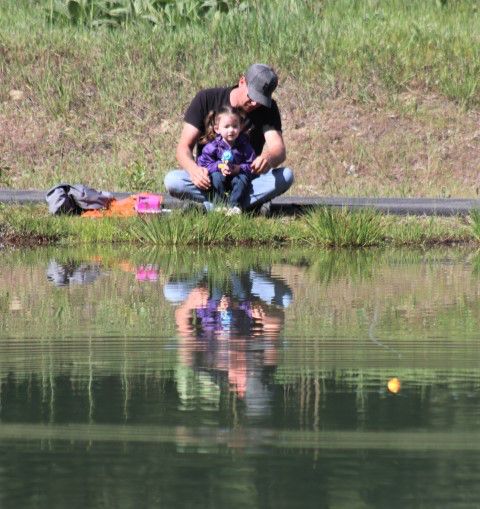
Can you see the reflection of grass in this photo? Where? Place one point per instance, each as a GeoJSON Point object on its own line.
{"type": "Point", "coordinates": [114, 303]}
{"type": "Point", "coordinates": [476, 264]}
{"type": "Point", "coordinates": [356, 317]}
{"type": "Point", "coordinates": [373, 376]}
{"type": "Point", "coordinates": [335, 293]}
{"type": "Point", "coordinates": [329, 265]}
{"type": "Point", "coordinates": [313, 384]}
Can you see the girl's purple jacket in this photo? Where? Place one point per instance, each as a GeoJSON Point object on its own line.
{"type": "Point", "coordinates": [243, 154]}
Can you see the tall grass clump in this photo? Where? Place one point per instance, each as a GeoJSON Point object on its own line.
{"type": "Point", "coordinates": [182, 229]}
{"type": "Point", "coordinates": [344, 228]}
{"type": "Point", "coordinates": [423, 230]}
{"type": "Point", "coordinates": [474, 222]}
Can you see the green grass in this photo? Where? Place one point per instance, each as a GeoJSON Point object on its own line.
{"type": "Point", "coordinates": [192, 228]}
{"type": "Point", "coordinates": [392, 43]}
{"type": "Point", "coordinates": [474, 221]}
{"type": "Point", "coordinates": [421, 231]}
{"type": "Point", "coordinates": [32, 225]}
{"type": "Point", "coordinates": [326, 227]}
{"type": "Point", "coordinates": [341, 228]}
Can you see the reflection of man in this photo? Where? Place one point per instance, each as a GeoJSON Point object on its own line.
{"type": "Point", "coordinates": [232, 328]}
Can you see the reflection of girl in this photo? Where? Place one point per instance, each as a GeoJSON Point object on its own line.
{"type": "Point", "coordinates": [252, 306]}
{"type": "Point", "coordinates": [223, 316]}
{"type": "Point", "coordinates": [215, 327]}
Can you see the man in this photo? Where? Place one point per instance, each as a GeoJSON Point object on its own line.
{"type": "Point", "coordinates": [252, 95]}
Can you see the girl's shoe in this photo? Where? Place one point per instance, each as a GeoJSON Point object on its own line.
{"type": "Point", "coordinates": [233, 211]}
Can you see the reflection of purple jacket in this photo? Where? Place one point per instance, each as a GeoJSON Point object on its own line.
{"type": "Point", "coordinates": [243, 154]}
{"type": "Point", "coordinates": [211, 320]}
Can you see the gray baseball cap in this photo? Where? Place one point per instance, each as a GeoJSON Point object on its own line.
{"type": "Point", "coordinates": [261, 82]}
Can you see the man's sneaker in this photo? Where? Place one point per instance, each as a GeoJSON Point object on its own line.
{"type": "Point", "coordinates": [265, 209]}
{"type": "Point", "coordinates": [189, 206]}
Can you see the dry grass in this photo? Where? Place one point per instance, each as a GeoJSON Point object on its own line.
{"type": "Point", "coordinates": [407, 145]}
{"type": "Point", "coordinates": [411, 145]}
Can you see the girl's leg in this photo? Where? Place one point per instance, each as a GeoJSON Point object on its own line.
{"type": "Point", "coordinates": [179, 185]}
{"type": "Point", "coordinates": [218, 186]}
{"type": "Point", "coordinates": [240, 184]}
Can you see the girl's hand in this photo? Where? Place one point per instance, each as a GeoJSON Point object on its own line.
{"type": "Point", "coordinates": [225, 169]}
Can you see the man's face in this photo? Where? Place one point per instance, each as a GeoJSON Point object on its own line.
{"type": "Point", "coordinates": [245, 103]}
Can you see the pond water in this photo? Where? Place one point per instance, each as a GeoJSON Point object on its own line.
{"type": "Point", "coordinates": [239, 378]}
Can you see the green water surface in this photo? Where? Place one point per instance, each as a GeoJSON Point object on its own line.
{"type": "Point", "coordinates": [239, 378]}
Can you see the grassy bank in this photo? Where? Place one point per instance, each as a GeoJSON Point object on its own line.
{"type": "Point", "coordinates": [31, 225]}
{"type": "Point", "coordinates": [378, 98]}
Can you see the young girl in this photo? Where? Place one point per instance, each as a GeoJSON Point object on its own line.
{"type": "Point", "coordinates": [227, 155]}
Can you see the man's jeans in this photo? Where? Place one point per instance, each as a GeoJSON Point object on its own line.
{"type": "Point", "coordinates": [261, 189]}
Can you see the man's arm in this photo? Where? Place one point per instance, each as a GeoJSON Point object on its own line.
{"type": "Point", "coordinates": [273, 153]}
{"type": "Point", "coordinates": [186, 144]}
{"type": "Point", "coordinates": [250, 156]}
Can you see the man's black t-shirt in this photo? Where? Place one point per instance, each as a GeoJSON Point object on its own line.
{"type": "Point", "coordinates": [257, 122]}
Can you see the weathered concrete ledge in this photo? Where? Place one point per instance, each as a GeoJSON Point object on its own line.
{"type": "Point", "coordinates": [298, 204]}
{"type": "Point", "coordinates": [396, 206]}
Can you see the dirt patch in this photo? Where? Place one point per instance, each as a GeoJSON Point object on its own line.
{"type": "Point", "coordinates": [23, 241]}
{"type": "Point", "coordinates": [412, 144]}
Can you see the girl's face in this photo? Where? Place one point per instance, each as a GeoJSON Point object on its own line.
{"type": "Point", "coordinates": [228, 127]}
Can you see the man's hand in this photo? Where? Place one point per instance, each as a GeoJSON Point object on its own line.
{"type": "Point", "coordinates": [200, 177]}
{"type": "Point", "coordinates": [273, 153]}
{"type": "Point", "coordinates": [261, 164]}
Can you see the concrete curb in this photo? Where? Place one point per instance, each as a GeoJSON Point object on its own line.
{"type": "Point", "coordinates": [298, 204]}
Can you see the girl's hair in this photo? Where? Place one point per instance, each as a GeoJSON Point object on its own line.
{"type": "Point", "coordinates": [212, 119]}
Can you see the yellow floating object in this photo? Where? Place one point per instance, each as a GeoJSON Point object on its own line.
{"type": "Point", "coordinates": [394, 385]}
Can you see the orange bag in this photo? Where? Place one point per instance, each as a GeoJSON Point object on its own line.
{"type": "Point", "coordinates": [126, 207]}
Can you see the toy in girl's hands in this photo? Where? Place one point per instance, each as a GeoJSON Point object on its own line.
{"type": "Point", "coordinates": [227, 159]}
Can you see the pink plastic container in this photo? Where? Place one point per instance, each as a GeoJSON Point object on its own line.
{"type": "Point", "coordinates": [148, 203]}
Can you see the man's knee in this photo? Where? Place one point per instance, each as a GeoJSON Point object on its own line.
{"type": "Point", "coordinates": [288, 177]}
{"type": "Point", "coordinates": [173, 182]}
{"type": "Point", "coordinates": [241, 177]}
